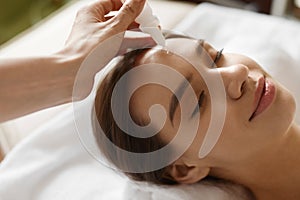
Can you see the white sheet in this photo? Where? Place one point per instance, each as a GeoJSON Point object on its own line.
{"type": "Point", "coordinates": [52, 164]}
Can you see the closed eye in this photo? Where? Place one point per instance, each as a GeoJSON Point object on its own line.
{"type": "Point", "coordinates": [200, 102]}
{"type": "Point", "coordinates": [217, 58]}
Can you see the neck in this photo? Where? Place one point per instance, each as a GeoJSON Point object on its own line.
{"type": "Point", "coordinates": [274, 175]}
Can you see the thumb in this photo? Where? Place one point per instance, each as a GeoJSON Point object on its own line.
{"type": "Point", "coordinates": [127, 14]}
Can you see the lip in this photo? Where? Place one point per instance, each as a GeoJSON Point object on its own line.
{"type": "Point", "coordinates": [264, 96]}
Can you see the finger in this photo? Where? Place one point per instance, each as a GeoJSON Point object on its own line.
{"type": "Point", "coordinates": [133, 25]}
{"type": "Point", "coordinates": [100, 8]}
{"type": "Point", "coordinates": [136, 43]}
{"type": "Point", "coordinates": [109, 16]}
{"type": "Point", "coordinates": [127, 14]}
{"type": "Point", "coordinates": [105, 6]}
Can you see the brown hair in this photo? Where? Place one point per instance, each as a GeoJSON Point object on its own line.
{"type": "Point", "coordinates": [139, 145]}
{"type": "Point", "coordinates": [116, 135]}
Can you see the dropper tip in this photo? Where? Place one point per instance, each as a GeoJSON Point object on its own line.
{"type": "Point", "coordinates": [156, 34]}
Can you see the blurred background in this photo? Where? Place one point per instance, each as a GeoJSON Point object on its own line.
{"type": "Point", "coordinates": [18, 15]}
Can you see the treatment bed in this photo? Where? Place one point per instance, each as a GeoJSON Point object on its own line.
{"type": "Point", "coordinates": [51, 163]}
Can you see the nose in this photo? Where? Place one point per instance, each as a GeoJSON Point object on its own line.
{"type": "Point", "coordinates": [234, 78]}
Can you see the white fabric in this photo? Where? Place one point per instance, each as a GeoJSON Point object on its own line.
{"type": "Point", "coordinates": [201, 191]}
{"type": "Point", "coordinates": [52, 164]}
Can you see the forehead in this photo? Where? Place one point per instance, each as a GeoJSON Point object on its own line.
{"type": "Point", "coordinates": [191, 51]}
{"type": "Point", "coordinates": [176, 56]}
{"type": "Point", "coordinates": [176, 48]}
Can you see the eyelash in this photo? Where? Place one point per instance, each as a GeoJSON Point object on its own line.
{"type": "Point", "coordinates": [218, 57]}
{"type": "Point", "coordinates": [201, 98]}
{"type": "Point", "coordinates": [202, 94]}
{"type": "Point", "coordinates": [200, 101]}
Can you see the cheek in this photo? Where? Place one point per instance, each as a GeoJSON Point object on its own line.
{"type": "Point", "coordinates": [240, 140]}
{"type": "Point", "coordinates": [234, 137]}
{"type": "Point", "coordinates": [193, 150]}
{"type": "Point", "coordinates": [237, 143]}
{"type": "Point", "coordinates": [233, 59]}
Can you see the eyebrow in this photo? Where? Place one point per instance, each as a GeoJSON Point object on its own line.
{"type": "Point", "coordinates": [170, 35]}
{"type": "Point", "coordinates": [200, 46]}
{"type": "Point", "coordinates": [178, 93]}
{"type": "Point", "coordinates": [180, 90]}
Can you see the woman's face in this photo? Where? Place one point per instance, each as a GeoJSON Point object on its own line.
{"type": "Point", "coordinates": [251, 124]}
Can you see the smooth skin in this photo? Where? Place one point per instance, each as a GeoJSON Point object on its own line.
{"type": "Point", "coordinates": [261, 154]}
{"type": "Point", "coordinates": [32, 84]}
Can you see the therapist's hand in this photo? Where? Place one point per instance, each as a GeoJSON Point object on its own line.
{"type": "Point", "coordinates": [34, 83]}
{"type": "Point", "coordinates": [92, 28]}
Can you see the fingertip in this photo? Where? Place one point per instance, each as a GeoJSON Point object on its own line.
{"type": "Point", "coordinates": [128, 12]}
{"type": "Point", "coordinates": [132, 8]}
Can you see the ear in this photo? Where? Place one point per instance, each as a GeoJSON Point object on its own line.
{"type": "Point", "coordinates": [182, 173]}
